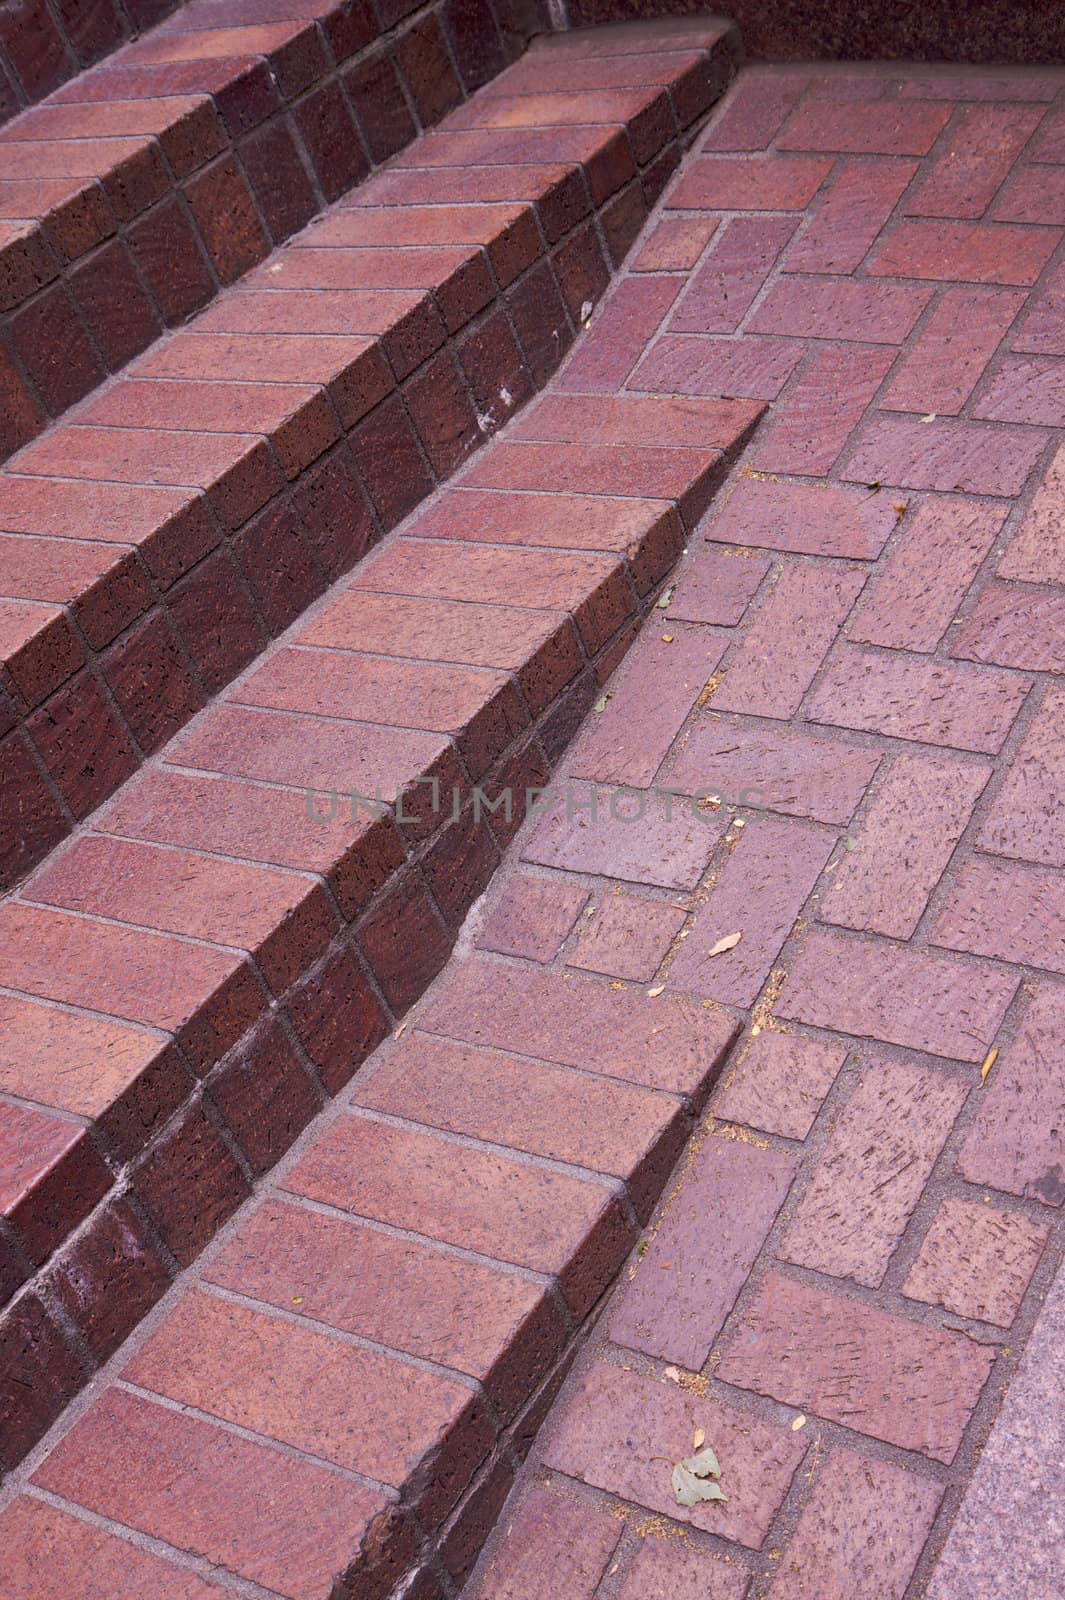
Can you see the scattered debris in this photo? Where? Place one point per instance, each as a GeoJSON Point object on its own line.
{"type": "Point", "coordinates": [798, 1422]}
{"type": "Point", "coordinates": [652, 994]}
{"type": "Point", "coordinates": [987, 1063]}
{"type": "Point", "coordinates": [664, 598]}
{"type": "Point", "coordinates": [729, 942]}
{"type": "Point", "coordinates": [931, 417]}
{"type": "Point", "coordinates": [693, 1478]}
{"type": "Point", "coordinates": [667, 638]}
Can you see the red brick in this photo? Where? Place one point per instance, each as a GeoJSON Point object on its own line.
{"type": "Point", "coordinates": [976, 1261]}
{"type": "Point", "coordinates": [550, 1546]}
{"type": "Point", "coordinates": [716, 586]}
{"type": "Point", "coordinates": [732, 183]}
{"type": "Point", "coordinates": [39, 1374]}
{"type": "Point", "coordinates": [1014, 628]}
{"type": "Point", "coordinates": [773, 769]}
{"type": "Point", "coordinates": [1035, 552]}
{"type": "Point", "coordinates": [869, 127]}
{"type": "Point", "coordinates": [225, 214]}
{"type": "Point", "coordinates": [21, 417]}
{"type": "Point", "coordinates": [956, 83]}
{"type": "Point", "coordinates": [619, 333]}
{"type": "Point", "coordinates": [759, 893]}
{"type": "Point", "coordinates": [190, 1184]}
{"type": "Point", "coordinates": [110, 1278]}
{"type": "Point", "coordinates": [627, 937]}
{"type": "Point", "coordinates": [1024, 391]}
{"type": "Point", "coordinates": [337, 1017]}
{"type": "Point", "coordinates": [674, 244]}
{"type": "Point", "coordinates": [31, 821]}
{"type": "Point", "coordinates": [846, 223]}
{"type": "Point", "coordinates": [931, 701]}
{"type": "Point", "coordinates": [826, 404]}
{"type": "Point", "coordinates": [621, 220]}
{"type": "Point", "coordinates": [779, 1083]}
{"type": "Point", "coordinates": [462, 1195]}
{"type": "Point", "coordinates": [879, 1374]}
{"type": "Point", "coordinates": [522, 1105]}
{"type": "Point", "coordinates": [380, 105]}
{"type": "Point", "coordinates": [38, 648]}
{"type": "Point", "coordinates": [631, 834]}
{"type": "Point", "coordinates": [404, 942]}
{"type": "Point", "coordinates": [871, 1173]}
{"type": "Point", "coordinates": [810, 519]}
{"type": "Point", "coordinates": [994, 252]}
{"type": "Point", "coordinates": [814, 308]}
{"type": "Point", "coordinates": [902, 847]}
{"type": "Point", "coordinates": [49, 1547]}
{"type": "Point", "coordinates": [1035, 194]}
{"type": "Point", "coordinates": [790, 635]}
{"type": "Point", "coordinates": [752, 111]}
{"type": "Point", "coordinates": [687, 1282]}
{"type": "Point", "coordinates": [274, 553]}
{"type": "Point", "coordinates": [1015, 1143]}
{"type": "Point", "coordinates": [533, 918]}
{"type": "Point", "coordinates": [983, 146]}
{"type": "Point", "coordinates": [617, 1421]}
{"type": "Point", "coordinates": [50, 341]}
{"type": "Point", "coordinates": [265, 1096]}
{"type": "Point", "coordinates": [756, 367]}
{"type": "Point", "coordinates": [1042, 331]}
{"type": "Point", "coordinates": [671, 1572]}
{"type": "Point", "coordinates": [949, 355]}
{"type": "Point", "coordinates": [425, 66]}
{"type": "Point", "coordinates": [124, 1079]}
{"type": "Point", "coordinates": [1029, 921]}
{"type": "Point", "coordinates": [51, 1176]}
{"type": "Point", "coordinates": [538, 316]}
{"type": "Point", "coordinates": [117, 312]}
{"type": "Point", "coordinates": [295, 1384]}
{"type": "Point", "coordinates": [721, 292]}
{"type": "Point", "coordinates": [662, 682]}
{"type": "Point", "coordinates": [926, 1002]}
{"type": "Point", "coordinates": [1027, 816]}
{"type": "Point", "coordinates": [630, 420]}
{"type": "Point", "coordinates": [863, 1517]}
{"type": "Point", "coordinates": [927, 575]}
{"type": "Point", "coordinates": [581, 1024]}
{"type": "Point", "coordinates": [329, 135]}
{"type": "Point", "coordinates": [207, 997]}
{"type": "Point", "coordinates": [104, 584]}
{"type": "Point", "coordinates": [205, 1493]}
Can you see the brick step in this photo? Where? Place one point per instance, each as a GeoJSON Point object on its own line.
{"type": "Point", "coordinates": [136, 192]}
{"type": "Point", "coordinates": [159, 538]}
{"type": "Point", "coordinates": [187, 981]}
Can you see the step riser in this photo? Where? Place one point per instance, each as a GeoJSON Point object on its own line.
{"type": "Point", "coordinates": [145, 647]}
{"type": "Point", "coordinates": [261, 148]}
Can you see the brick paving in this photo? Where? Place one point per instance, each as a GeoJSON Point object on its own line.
{"type": "Point", "coordinates": [827, 1210]}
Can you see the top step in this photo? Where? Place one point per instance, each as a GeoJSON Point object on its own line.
{"type": "Point", "coordinates": [135, 192]}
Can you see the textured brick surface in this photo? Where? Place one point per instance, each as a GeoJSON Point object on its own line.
{"type": "Point", "coordinates": [975, 252]}
{"type": "Point", "coordinates": [859, 201]}
{"type": "Point", "coordinates": [966, 457]}
{"type": "Point", "coordinates": [627, 937]}
{"type": "Point", "coordinates": [1026, 818]}
{"type": "Point", "coordinates": [951, 351]}
{"type": "Point", "coordinates": [792, 630]}
{"type": "Point", "coordinates": [804, 518]}
{"type": "Point", "coordinates": [872, 1171]}
{"type": "Point", "coordinates": [532, 919]}
{"type": "Point", "coordinates": [780, 1082]}
{"type": "Point", "coordinates": [773, 769]}
{"type": "Point", "coordinates": [552, 1543]}
{"type": "Point", "coordinates": [882, 313]}
{"type": "Point", "coordinates": [877, 1373]}
{"type": "Point", "coordinates": [976, 1261]}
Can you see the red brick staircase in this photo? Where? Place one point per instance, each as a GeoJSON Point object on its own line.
{"type": "Point", "coordinates": [188, 980]}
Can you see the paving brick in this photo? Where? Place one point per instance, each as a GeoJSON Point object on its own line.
{"type": "Point", "coordinates": [752, 112]}
{"type": "Point", "coordinates": [551, 1544]}
{"type": "Point", "coordinates": [523, 1105]}
{"type": "Point", "coordinates": [632, 834]}
{"type": "Point", "coordinates": [620, 1034]}
{"type": "Point", "coordinates": [627, 937]}
{"type": "Point", "coordinates": [1027, 816]}
{"type": "Point", "coordinates": [927, 1002]}
{"type": "Point", "coordinates": [404, 941]}
{"type": "Point", "coordinates": [117, 312]}
{"type": "Point", "coordinates": [787, 641]}
{"type": "Point", "coordinates": [758, 368]}
{"type": "Point", "coordinates": [49, 1546]}
{"type": "Point", "coordinates": [295, 1384]}
{"type": "Point", "coordinates": [869, 127]}
{"type": "Point", "coordinates": [458, 1194]}
{"type": "Point", "coordinates": [51, 1176]}
{"type": "Point", "coordinates": [699, 1258]}
{"type": "Point", "coordinates": [31, 820]}
{"type": "Point", "coordinates": [225, 214]}
{"type": "Point", "coordinates": [812, 308]}
{"type": "Point", "coordinates": [772, 769]}
{"type": "Point", "coordinates": [983, 145]}
{"type": "Point", "coordinates": [877, 1373]}
{"type": "Point", "coordinates": [721, 292]}
{"type": "Point", "coordinates": [1042, 332]}
{"type": "Point", "coordinates": [617, 1421]}
{"type": "Point", "coordinates": [947, 360]}
{"type": "Point", "coordinates": [494, 1325]}
{"type": "Point", "coordinates": [85, 748]}
{"type": "Point", "coordinates": [1033, 194]}
{"type": "Point", "coordinates": [879, 1155]}
{"type": "Point", "coordinates": [1014, 1143]}
{"type": "Point", "coordinates": [976, 1261]}
{"type": "Point", "coordinates": [670, 1572]}
{"type": "Point", "coordinates": [976, 252]}
{"type": "Point", "coordinates": [662, 682]}
{"type": "Point", "coordinates": [865, 1522]}
{"type": "Point", "coordinates": [1015, 628]}
{"type": "Point", "coordinates": [736, 183]}
{"type": "Point", "coordinates": [39, 1375]}
{"type": "Point", "coordinates": [110, 1278]}
{"type": "Point", "coordinates": [717, 586]}
{"type": "Point", "coordinates": [190, 1184]}
{"type": "Point", "coordinates": [207, 997]}
{"type": "Point", "coordinates": [808, 519]}
{"type": "Point", "coordinates": [205, 1490]}
{"type": "Point", "coordinates": [1036, 552]}
{"type": "Point", "coordinates": [903, 844]}
{"type": "Point", "coordinates": [758, 893]}
{"type": "Point", "coordinates": [916, 596]}
{"type": "Point", "coordinates": [620, 331]}
{"type": "Point", "coordinates": [51, 342]}
{"type": "Point", "coordinates": [859, 202]}
{"type": "Point", "coordinates": [1028, 924]}
{"type": "Point", "coordinates": [826, 404]}
{"type": "Point", "coordinates": [1024, 391]}
{"type": "Point", "coordinates": [780, 1082]}
{"type": "Point", "coordinates": [533, 917]}
{"type": "Point", "coordinates": [674, 244]}
{"type": "Point", "coordinates": [931, 701]}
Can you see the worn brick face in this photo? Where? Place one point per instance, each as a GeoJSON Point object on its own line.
{"type": "Point", "coordinates": [790, 635]}
{"type": "Point", "coordinates": [780, 1082]}
{"type": "Point", "coordinates": [976, 1261]}
{"type": "Point", "coordinates": [818, 520]}
{"type": "Point", "coordinates": [862, 196]}
{"type": "Point", "coordinates": [949, 355]}
{"type": "Point", "coordinates": [1027, 816]}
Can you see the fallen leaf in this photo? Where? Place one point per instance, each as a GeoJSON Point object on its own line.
{"type": "Point", "coordinates": [690, 1479]}
{"type": "Point", "coordinates": [988, 1062]}
{"type": "Point", "coordinates": [400, 1031]}
{"type": "Point", "coordinates": [931, 417]}
{"type": "Point", "coordinates": [664, 598]}
{"type": "Point", "coordinates": [667, 638]}
{"type": "Point", "coordinates": [729, 942]}
{"type": "Point", "coordinates": [674, 1374]}
{"type": "Point", "coordinates": [698, 1438]}
{"type": "Point", "coordinates": [798, 1422]}
{"type": "Point", "coordinates": [652, 994]}
{"type": "Point", "coordinates": [600, 704]}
